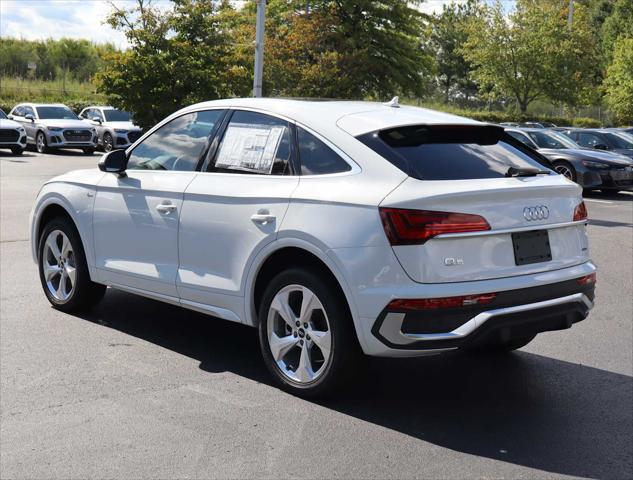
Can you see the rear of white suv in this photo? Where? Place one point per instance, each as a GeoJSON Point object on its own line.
{"type": "Point", "coordinates": [332, 227]}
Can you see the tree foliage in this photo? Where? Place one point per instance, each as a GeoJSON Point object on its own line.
{"type": "Point", "coordinates": [176, 57]}
{"type": "Point", "coordinates": [78, 59]}
{"type": "Point", "coordinates": [532, 53]}
{"type": "Point", "coordinates": [619, 81]}
{"type": "Point", "coordinates": [342, 49]}
{"type": "Point", "coordinates": [447, 34]}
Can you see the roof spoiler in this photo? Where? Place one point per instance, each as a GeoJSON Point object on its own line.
{"type": "Point", "coordinates": [415, 135]}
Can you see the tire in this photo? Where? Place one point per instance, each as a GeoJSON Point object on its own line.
{"type": "Point", "coordinates": [89, 150]}
{"type": "Point", "coordinates": [40, 143]}
{"type": "Point", "coordinates": [566, 169]}
{"type": "Point", "coordinates": [82, 294]}
{"type": "Point", "coordinates": [108, 143]}
{"type": "Point", "coordinates": [17, 150]}
{"type": "Point", "coordinates": [301, 365]}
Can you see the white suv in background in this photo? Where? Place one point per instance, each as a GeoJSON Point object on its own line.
{"type": "Point", "coordinates": [115, 128]}
{"type": "Point", "coordinates": [51, 126]}
{"type": "Point", "coordinates": [12, 135]}
{"type": "Point", "coordinates": [332, 227]}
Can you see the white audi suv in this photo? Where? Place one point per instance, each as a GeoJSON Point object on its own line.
{"type": "Point", "coordinates": [336, 228]}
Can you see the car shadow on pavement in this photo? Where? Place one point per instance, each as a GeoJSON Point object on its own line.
{"type": "Point", "coordinates": [522, 408]}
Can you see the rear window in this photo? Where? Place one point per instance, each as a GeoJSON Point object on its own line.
{"type": "Point", "coordinates": [452, 152]}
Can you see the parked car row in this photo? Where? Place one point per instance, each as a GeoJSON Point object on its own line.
{"type": "Point", "coordinates": [52, 126]}
{"type": "Point", "coordinates": [596, 159]}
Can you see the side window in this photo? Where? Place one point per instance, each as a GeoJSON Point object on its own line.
{"type": "Point", "coordinates": [18, 111]}
{"type": "Point", "coordinates": [176, 145]}
{"type": "Point", "coordinates": [316, 157]}
{"type": "Point", "coordinates": [84, 113]}
{"type": "Point", "coordinates": [28, 111]}
{"type": "Point", "coordinates": [255, 143]}
{"type": "Point", "coordinates": [522, 138]}
{"type": "Point", "coordinates": [95, 112]}
{"type": "Point", "coordinates": [588, 140]}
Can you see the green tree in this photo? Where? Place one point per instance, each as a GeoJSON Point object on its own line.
{"type": "Point", "coordinates": [176, 57]}
{"type": "Point", "coordinates": [342, 49]}
{"type": "Point", "coordinates": [619, 81]}
{"type": "Point", "coordinates": [532, 53]}
{"type": "Point", "coordinates": [448, 34]}
{"type": "Point", "coordinates": [618, 24]}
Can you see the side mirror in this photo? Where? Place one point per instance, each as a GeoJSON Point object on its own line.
{"type": "Point", "coordinates": [113, 162]}
{"type": "Point", "coordinates": [30, 117]}
{"type": "Point", "coordinates": [96, 120]}
{"type": "Point", "coordinates": [600, 146]}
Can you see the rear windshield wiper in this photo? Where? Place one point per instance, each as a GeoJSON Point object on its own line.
{"type": "Point", "coordinates": [525, 172]}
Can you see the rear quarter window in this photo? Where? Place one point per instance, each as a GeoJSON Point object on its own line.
{"type": "Point", "coordinates": [452, 153]}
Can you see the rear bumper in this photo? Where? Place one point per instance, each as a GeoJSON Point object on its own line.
{"type": "Point", "coordinates": [513, 313]}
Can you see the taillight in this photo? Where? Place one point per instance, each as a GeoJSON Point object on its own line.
{"type": "Point", "coordinates": [445, 302]}
{"type": "Point", "coordinates": [580, 212]}
{"type": "Point", "coordinates": [587, 279]}
{"type": "Point", "coordinates": [414, 227]}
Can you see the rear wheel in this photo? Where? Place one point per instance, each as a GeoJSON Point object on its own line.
{"type": "Point", "coordinates": [17, 150]}
{"type": "Point", "coordinates": [566, 170]}
{"type": "Point", "coordinates": [63, 268]}
{"type": "Point", "coordinates": [40, 142]}
{"type": "Point", "coordinates": [306, 333]}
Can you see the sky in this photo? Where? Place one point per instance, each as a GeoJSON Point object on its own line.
{"type": "Point", "coordinates": [42, 19]}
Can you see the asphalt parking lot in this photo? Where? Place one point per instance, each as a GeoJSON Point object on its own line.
{"type": "Point", "coordinates": [145, 390]}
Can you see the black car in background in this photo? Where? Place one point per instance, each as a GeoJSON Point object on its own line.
{"type": "Point", "coordinates": [591, 169]}
{"type": "Point", "coordinates": [602, 139]}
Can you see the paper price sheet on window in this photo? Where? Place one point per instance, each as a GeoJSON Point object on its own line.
{"type": "Point", "coordinates": [250, 147]}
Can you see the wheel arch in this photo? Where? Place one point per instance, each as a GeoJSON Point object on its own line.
{"type": "Point", "coordinates": [288, 253]}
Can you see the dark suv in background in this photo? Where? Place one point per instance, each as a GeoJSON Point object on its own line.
{"type": "Point", "coordinates": [591, 169]}
{"type": "Point", "coordinates": [603, 139]}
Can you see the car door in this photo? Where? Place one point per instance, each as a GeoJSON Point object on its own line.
{"type": "Point", "coordinates": [136, 215]}
{"type": "Point", "coordinates": [234, 208]}
{"type": "Point", "coordinates": [99, 127]}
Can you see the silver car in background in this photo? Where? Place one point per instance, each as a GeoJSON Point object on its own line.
{"type": "Point", "coordinates": [54, 125]}
{"type": "Point", "coordinates": [115, 128]}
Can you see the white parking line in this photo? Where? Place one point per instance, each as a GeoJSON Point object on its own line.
{"type": "Point", "coordinates": [597, 201]}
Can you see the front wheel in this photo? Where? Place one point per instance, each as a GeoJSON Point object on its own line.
{"type": "Point", "coordinates": [89, 150]}
{"type": "Point", "coordinates": [108, 142]}
{"type": "Point", "coordinates": [63, 268]}
{"type": "Point", "coordinates": [566, 170]}
{"type": "Point", "coordinates": [17, 150]}
{"type": "Point", "coordinates": [40, 142]}
{"type": "Point", "coordinates": [306, 333]}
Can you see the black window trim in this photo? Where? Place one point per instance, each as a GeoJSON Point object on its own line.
{"type": "Point", "coordinates": [215, 147]}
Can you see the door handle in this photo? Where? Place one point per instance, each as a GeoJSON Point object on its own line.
{"type": "Point", "coordinates": [263, 216]}
{"type": "Point", "coordinates": [166, 208]}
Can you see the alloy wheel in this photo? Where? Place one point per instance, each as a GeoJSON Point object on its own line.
{"type": "Point", "coordinates": [108, 143]}
{"type": "Point", "coordinates": [565, 171]}
{"type": "Point", "coordinates": [41, 143]}
{"type": "Point", "coordinates": [59, 266]}
{"type": "Point", "coordinates": [299, 334]}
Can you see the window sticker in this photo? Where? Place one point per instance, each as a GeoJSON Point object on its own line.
{"type": "Point", "coordinates": [250, 147]}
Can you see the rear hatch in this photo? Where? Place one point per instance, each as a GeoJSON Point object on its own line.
{"type": "Point", "coordinates": [477, 205]}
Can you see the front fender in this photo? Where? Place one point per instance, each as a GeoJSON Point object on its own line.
{"type": "Point", "coordinates": [77, 200]}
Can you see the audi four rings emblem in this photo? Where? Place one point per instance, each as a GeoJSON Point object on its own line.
{"type": "Point", "coordinates": [540, 212]}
